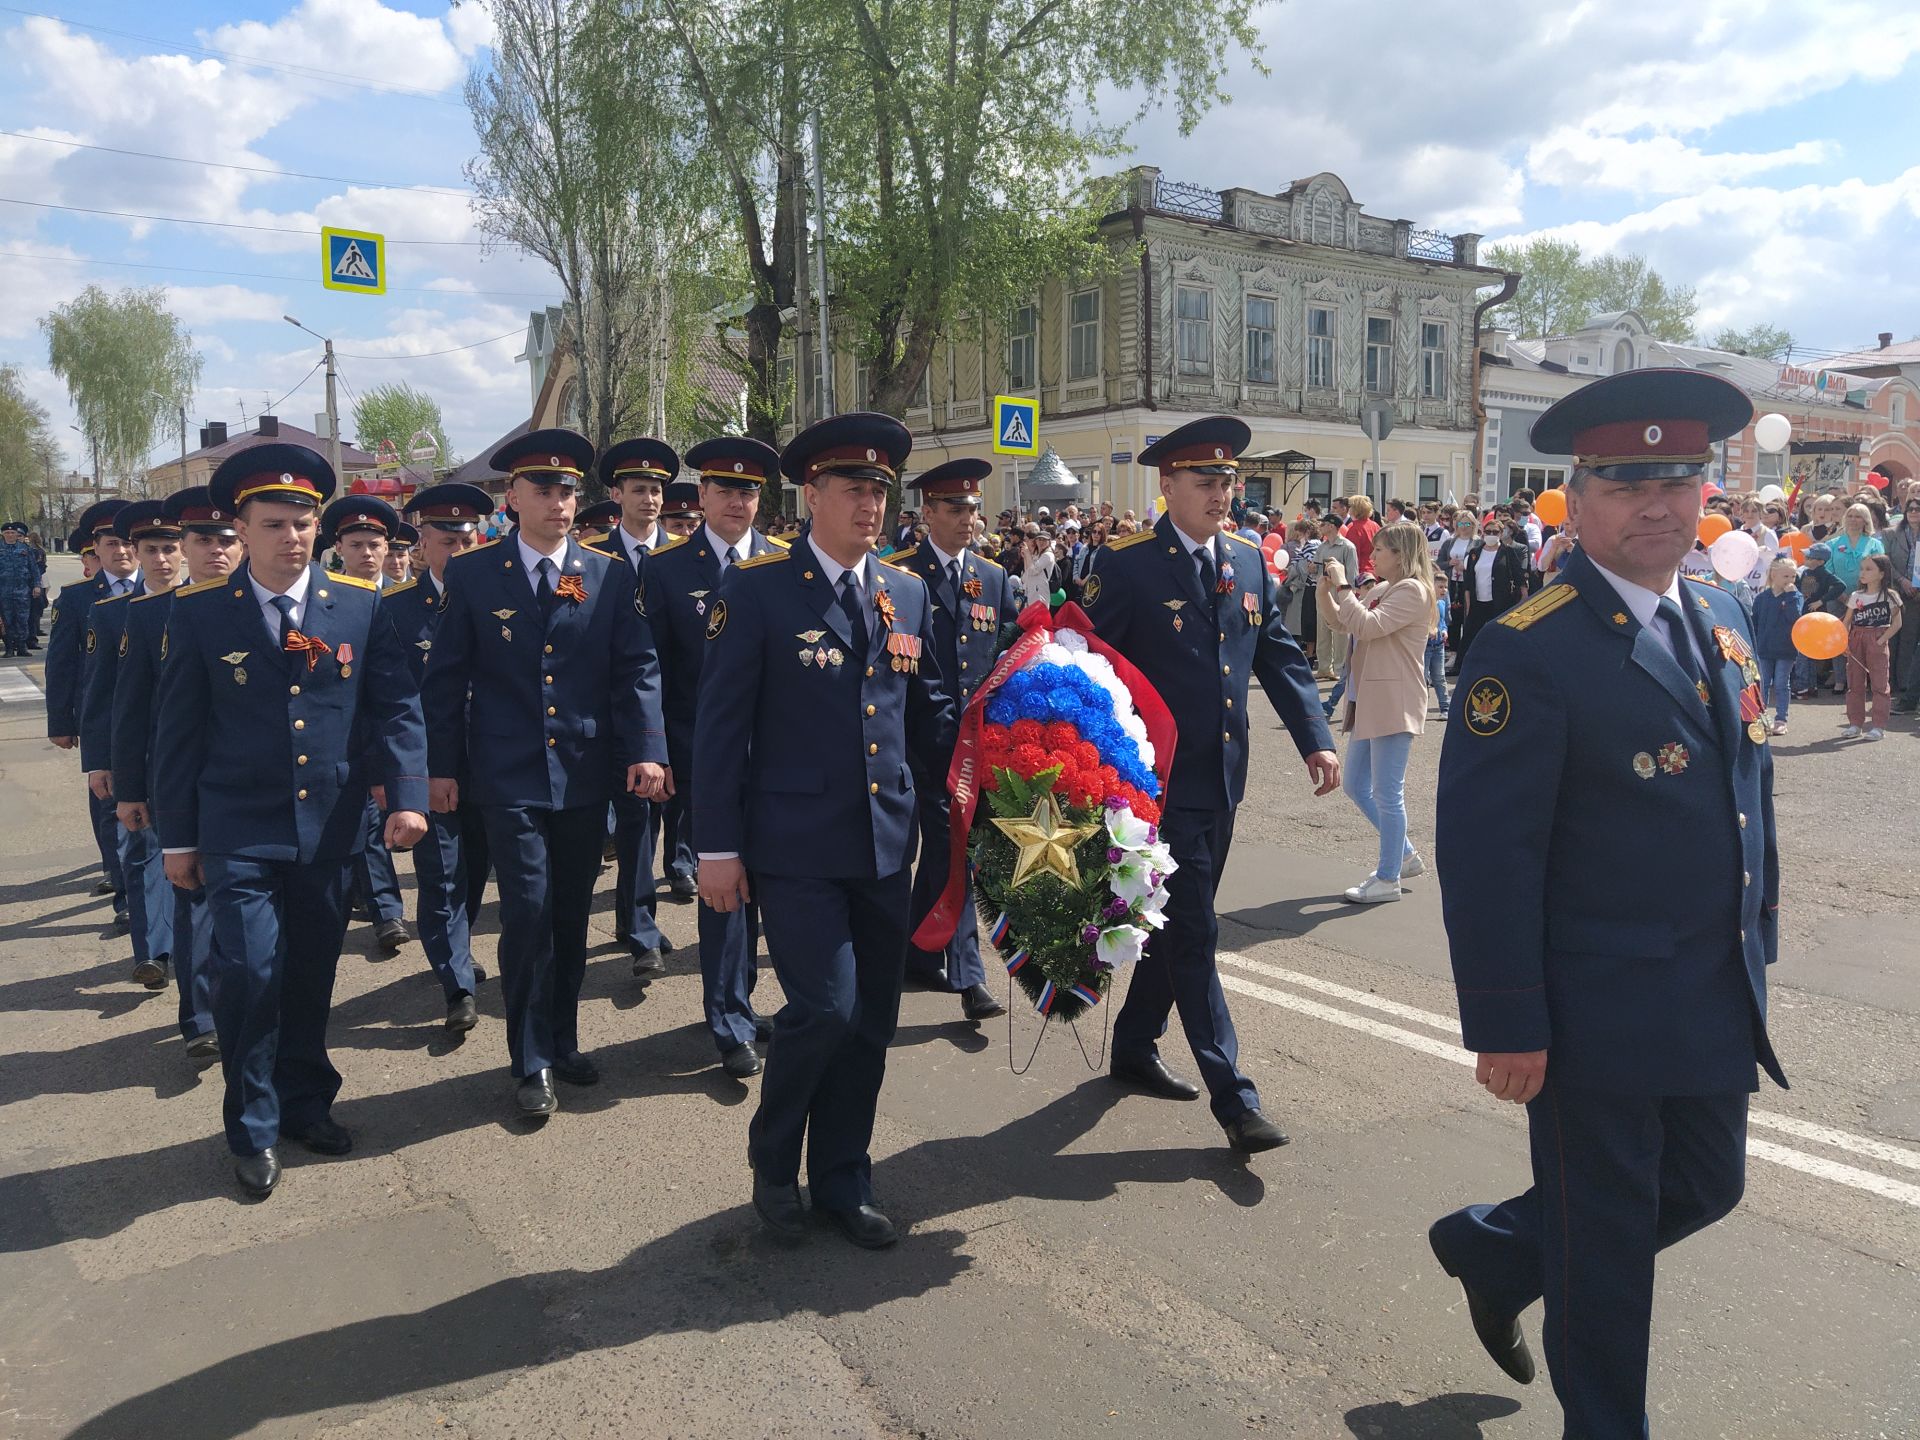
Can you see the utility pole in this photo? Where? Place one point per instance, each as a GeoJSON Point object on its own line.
{"type": "Point", "coordinates": [183, 445]}
{"type": "Point", "coordinates": [828, 405]}
{"type": "Point", "coordinates": [333, 414]}
{"type": "Point", "coordinates": [98, 491]}
{"type": "Point", "coordinates": [802, 300]}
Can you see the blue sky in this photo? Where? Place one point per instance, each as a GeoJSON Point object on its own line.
{"type": "Point", "coordinates": [1756, 150]}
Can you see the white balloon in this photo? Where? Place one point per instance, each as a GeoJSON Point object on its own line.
{"type": "Point", "coordinates": [1279, 559]}
{"type": "Point", "coordinates": [1772, 492]}
{"type": "Point", "coordinates": [1734, 554]}
{"type": "Point", "coordinates": [1772, 432]}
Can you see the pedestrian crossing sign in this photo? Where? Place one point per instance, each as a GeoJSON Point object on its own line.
{"type": "Point", "coordinates": [1016, 426]}
{"type": "Point", "coordinates": [353, 260]}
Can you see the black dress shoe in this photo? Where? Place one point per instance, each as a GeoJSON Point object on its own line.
{"type": "Point", "coordinates": [203, 1046]}
{"type": "Point", "coordinates": [534, 1095]}
{"type": "Point", "coordinates": [151, 973]}
{"type": "Point", "coordinates": [1150, 1073]}
{"type": "Point", "coordinates": [479, 974]}
{"type": "Point", "coordinates": [683, 887]}
{"type": "Point", "coordinates": [865, 1227]}
{"type": "Point", "coordinates": [978, 1003]}
{"type": "Point", "coordinates": [462, 1013]}
{"type": "Point", "coordinates": [105, 887]}
{"type": "Point", "coordinates": [1251, 1132]}
{"type": "Point", "coordinates": [647, 964]}
{"type": "Point", "coordinates": [742, 1061]}
{"type": "Point", "coordinates": [392, 934]}
{"type": "Point", "coordinates": [325, 1136]}
{"type": "Point", "coordinates": [781, 1208]}
{"type": "Point", "coordinates": [576, 1069]}
{"type": "Point", "coordinates": [931, 980]}
{"type": "Point", "coordinates": [257, 1174]}
{"type": "Point", "coordinates": [122, 921]}
{"type": "Point", "coordinates": [763, 1028]}
{"type": "Point", "coordinates": [1499, 1333]}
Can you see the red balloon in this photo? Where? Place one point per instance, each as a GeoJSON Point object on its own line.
{"type": "Point", "coordinates": [1876, 480]}
{"type": "Point", "coordinates": [1272, 541]}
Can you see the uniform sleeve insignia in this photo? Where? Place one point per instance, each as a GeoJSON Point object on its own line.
{"type": "Point", "coordinates": [1489, 707]}
{"type": "Point", "coordinates": [717, 620]}
{"type": "Point", "coordinates": [1532, 612]}
{"type": "Point", "coordinates": [123, 644]}
{"type": "Point", "coordinates": [1090, 590]}
{"type": "Point", "coordinates": [90, 642]}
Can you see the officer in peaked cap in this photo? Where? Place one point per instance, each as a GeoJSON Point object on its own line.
{"type": "Point", "coordinates": [450, 865]}
{"type": "Point", "coordinates": [683, 583]}
{"type": "Point", "coordinates": [21, 578]}
{"type": "Point", "coordinates": [542, 671]}
{"type": "Point", "coordinates": [972, 599]}
{"type": "Point", "coordinates": [594, 521]}
{"type": "Point", "coordinates": [821, 679]}
{"type": "Point", "coordinates": [398, 567]}
{"type": "Point", "coordinates": [360, 530]}
{"type": "Point", "coordinates": [285, 694]}
{"type": "Point", "coordinates": [71, 647]}
{"type": "Point", "coordinates": [636, 473]}
{"type": "Point", "coordinates": [1195, 609]}
{"type": "Point", "coordinates": [1617, 708]}
{"type": "Point", "coordinates": [680, 512]}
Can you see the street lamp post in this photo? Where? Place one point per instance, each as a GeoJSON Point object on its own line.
{"type": "Point", "coordinates": [333, 409]}
{"type": "Point", "coordinates": [180, 405]}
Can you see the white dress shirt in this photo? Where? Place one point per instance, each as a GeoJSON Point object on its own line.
{"type": "Point", "coordinates": [743, 547]}
{"type": "Point", "coordinates": [531, 558]}
{"type": "Point", "coordinates": [946, 560]}
{"type": "Point", "coordinates": [264, 598]}
{"type": "Point", "coordinates": [1644, 605]}
{"type": "Point", "coordinates": [1189, 544]}
{"type": "Point", "coordinates": [630, 543]}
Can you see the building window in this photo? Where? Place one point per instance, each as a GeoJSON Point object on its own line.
{"type": "Point", "coordinates": [1433, 360]}
{"type": "Point", "coordinates": [1770, 470]}
{"type": "Point", "coordinates": [1320, 351]}
{"type": "Point", "coordinates": [1320, 487]}
{"type": "Point", "coordinates": [1193, 314]}
{"type": "Point", "coordinates": [1622, 356]}
{"type": "Point", "coordinates": [1022, 372]}
{"type": "Point", "coordinates": [1263, 319]}
{"type": "Point", "coordinates": [923, 389]}
{"type": "Point", "coordinates": [1379, 376]}
{"type": "Point", "coordinates": [1897, 411]}
{"type": "Point", "coordinates": [1083, 335]}
{"type": "Point", "coordinates": [1429, 486]}
{"type": "Point", "coordinates": [1535, 477]}
{"type": "Point", "coordinates": [862, 385]}
{"type": "Point", "coordinates": [784, 394]}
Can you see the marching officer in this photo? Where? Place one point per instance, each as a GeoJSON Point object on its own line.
{"type": "Point", "coordinates": [361, 530]}
{"type": "Point", "coordinates": [595, 521]}
{"type": "Point", "coordinates": [22, 578]}
{"type": "Point", "coordinates": [636, 473]}
{"type": "Point", "coordinates": [1618, 707]}
{"type": "Point", "coordinates": [820, 680]}
{"type": "Point", "coordinates": [542, 691]}
{"type": "Point", "coordinates": [450, 864]}
{"type": "Point", "coordinates": [210, 548]}
{"type": "Point", "coordinates": [1194, 608]}
{"type": "Point", "coordinates": [972, 599]}
{"type": "Point", "coordinates": [682, 584]}
{"type": "Point", "coordinates": [680, 512]}
{"type": "Point", "coordinates": [284, 694]}
{"type": "Point", "coordinates": [155, 538]}
{"type": "Point", "coordinates": [71, 646]}
{"type": "Point", "coordinates": [397, 568]}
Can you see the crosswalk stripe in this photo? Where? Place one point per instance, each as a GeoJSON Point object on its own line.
{"type": "Point", "coordinates": [16, 688]}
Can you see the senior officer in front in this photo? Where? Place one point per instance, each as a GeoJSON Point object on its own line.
{"type": "Point", "coordinates": [1605, 727]}
{"type": "Point", "coordinates": [820, 679]}
{"type": "Point", "coordinates": [542, 697]}
{"type": "Point", "coordinates": [972, 599]}
{"type": "Point", "coordinates": [1195, 610]}
{"type": "Point", "coordinates": [284, 687]}
{"type": "Point", "coordinates": [683, 581]}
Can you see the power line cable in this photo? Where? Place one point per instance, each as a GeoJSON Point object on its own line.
{"type": "Point", "coordinates": [228, 165]}
{"type": "Point", "coordinates": [217, 224]}
{"type": "Point", "coordinates": [429, 354]}
{"type": "Point", "coordinates": [260, 275]}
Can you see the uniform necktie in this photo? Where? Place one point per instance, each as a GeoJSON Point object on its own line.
{"type": "Point", "coordinates": [284, 604]}
{"type": "Point", "coordinates": [1203, 558]}
{"type": "Point", "coordinates": [543, 592]}
{"type": "Point", "coordinates": [1682, 643]}
{"type": "Point", "coordinates": [953, 585]}
{"type": "Point", "coordinates": [733, 558]}
{"type": "Point", "coordinates": [853, 604]}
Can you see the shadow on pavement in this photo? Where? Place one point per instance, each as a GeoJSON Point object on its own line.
{"type": "Point", "coordinates": [1299, 916]}
{"type": "Point", "coordinates": [1443, 1417]}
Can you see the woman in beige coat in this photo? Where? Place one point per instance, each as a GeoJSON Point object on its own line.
{"type": "Point", "coordinates": [1386, 692]}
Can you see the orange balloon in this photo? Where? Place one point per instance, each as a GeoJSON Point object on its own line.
{"type": "Point", "coordinates": [1797, 541]}
{"type": "Point", "coordinates": [1551, 507]}
{"type": "Point", "coordinates": [1819, 636]}
{"type": "Point", "coordinates": [1712, 527]}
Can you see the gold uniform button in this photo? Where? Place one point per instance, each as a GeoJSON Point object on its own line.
{"type": "Point", "coordinates": [873, 749]}
{"type": "Point", "coordinates": [873, 788]}
{"type": "Point", "coordinates": [1746, 877]}
{"type": "Point", "coordinates": [963, 664]}
{"type": "Point", "coordinates": [1743, 821]}
{"type": "Point", "coordinates": [550, 742]}
{"type": "Point", "coordinates": [299, 724]}
{"type": "Point", "coordinates": [301, 796]}
{"type": "Point", "coordinates": [1743, 937]}
{"type": "Point", "coordinates": [1227, 735]}
{"type": "Point", "coordinates": [293, 690]}
{"type": "Point", "coordinates": [546, 679]}
{"type": "Point", "coordinates": [1223, 637]}
{"type": "Point", "coordinates": [301, 760]}
{"type": "Point", "coordinates": [546, 650]}
{"type": "Point", "coordinates": [552, 711]}
{"type": "Point", "coordinates": [1226, 669]}
{"type": "Point", "coordinates": [1229, 702]}
{"type": "Point", "coordinates": [869, 672]}
{"type": "Point", "coordinates": [963, 639]}
{"type": "Point", "coordinates": [870, 710]}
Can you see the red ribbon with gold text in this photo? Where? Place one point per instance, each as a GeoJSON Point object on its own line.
{"type": "Point", "coordinates": [964, 777]}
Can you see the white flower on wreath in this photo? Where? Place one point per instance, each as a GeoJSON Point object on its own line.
{"type": "Point", "coordinates": [1120, 945]}
{"type": "Point", "coordinates": [1128, 830]}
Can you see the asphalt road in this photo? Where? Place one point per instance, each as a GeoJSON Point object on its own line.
{"type": "Point", "coordinates": [1080, 1261]}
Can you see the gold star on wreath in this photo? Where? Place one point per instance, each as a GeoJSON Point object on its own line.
{"type": "Point", "coordinates": [1046, 843]}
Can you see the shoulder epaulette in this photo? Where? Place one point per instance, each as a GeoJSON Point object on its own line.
{"type": "Point", "coordinates": [1137, 538]}
{"type": "Point", "coordinates": [1706, 580]}
{"type": "Point", "coordinates": [151, 595]}
{"type": "Point", "coordinates": [483, 545]}
{"type": "Point", "coordinates": [402, 587]}
{"type": "Point", "coordinates": [899, 556]}
{"type": "Point", "coordinates": [776, 540]}
{"type": "Point", "coordinates": [674, 544]}
{"type": "Point", "coordinates": [594, 546]}
{"type": "Point", "coordinates": [342, 575]}
{"type": "Point", "coordinates": [990, 563]}
{"type": "Point", "coordinates": [195, 589]}
{"type": "Point", "coordinates": [1533, 611]}
{"type": "Point", "coordinates": [767, 559]}
{"type": "Point", "coordinates": [109, 599]}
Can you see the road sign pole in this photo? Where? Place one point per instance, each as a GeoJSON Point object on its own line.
{"type": "Point", "coordinates": [1373, 440]}
{"type": "Point", "coordinates": [333, 417]}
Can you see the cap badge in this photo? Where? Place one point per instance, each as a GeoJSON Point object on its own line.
{"type": "Point", "coordinates": [286, 478]}
{"type": "Point", "coordinates": [457, 510]}
{"type": "Point", "coordinates": [554, 460]}
{"type": "Point", "coordinates": [873, 455]}
{"type": "Point", "coordinates": [738, 468]}
{"type": "Point", "coordinates": [1653, 435]}
{"type": "Point", "coordinates": [1218, 453]}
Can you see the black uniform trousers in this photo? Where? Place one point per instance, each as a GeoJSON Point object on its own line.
{"type": "Point", "coordinates": [1179, 970]}
{"type": "Point", "coordinates": [450, 870]}
{"type": "Point", "coordinates": [106, 834]}
{"type": "Point", "coordinates": [193, 961]}
{"type": "Point", "coordinates": [1616, 1179]}
{"type": "Point", "coordinates": [376, 885]}
{"type": "Point", "coordinates": [634, 901]}
{"type": "Point", "coordinates": [278, 926]}
{"type": "Point", "coordinates": [839, 948]}
{"type": "Point", "coordinates": [961, 959]}
{"type": "Point", "coordinates": [547, 861]}
{"type": "Point", "coordinates": [675, 819]}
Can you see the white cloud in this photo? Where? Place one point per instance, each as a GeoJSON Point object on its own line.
{"type": "Point", "coordinates": [1659, 165]}
{"type": "Point", "coordinates": [198, 306]}
{"type": "Point", "coordinates": [361, 38]}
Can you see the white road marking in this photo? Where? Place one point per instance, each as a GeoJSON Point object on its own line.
{"type": "Point", "coordinates": [1831, 1170]}
{"type": "Point", "coordinates": [16, 688]}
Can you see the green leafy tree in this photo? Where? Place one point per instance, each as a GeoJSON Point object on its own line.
{"type": "Point", "coordinates": [27, 450]}
{"type": "Point", "coordinates": [1768, 342]}
{"type": "Point", "coordinates": [1561, 290]}
{"type": "Point", "coordinates": [396, 413]}
{"type": "Point", "coordinates": [129, 367]}
{"type": "Point", "coordinates": [1627, 282]}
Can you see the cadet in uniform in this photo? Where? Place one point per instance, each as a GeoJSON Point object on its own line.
{"type": "Point", "coordinates": [595, 521]}
{"type": "Point", "coordinates": [284, 694]}
{"type": "Point", "coordinates": [1624, 1006]}
{"type": "Point", "coordinates": [397, 568]}
{"type": "Point", "coordinates": [210, 548]}
{"type": "Point", "coordinates": [541, 694]}
{"type": "Point", "coordinates": [636, 473]}
{"type": "Point", "coordinates": [820, 679]}
{"type": "Point", "coordinates": [361, 531]}
{"type": "Point", "coordinates": [1195, 610]}
{"type": "Point", "coordinates": [21, 579]}
{"type": "Point", "coordinates": [972, 599]}
{"type": "Point", "coordinates": [450, 865]}
{"type": "Point", "coordinates": [71, 646]}
{"type": "Point", "coordinates": [683, 583]}
{"type": "Point", "coordinates": [680, 512]}
{"type": "Point", "coordinates": [155, 540]}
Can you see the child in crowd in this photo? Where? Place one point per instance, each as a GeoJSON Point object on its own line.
{"type": "Point", "coordinates": [1437, 648]}
{"type": "Point", "coordinates": [1821, 594]}
{"type": "Point", "coordinates": [1774, 611]}
{"type": "Point", "coordinates": [1873, 619]}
